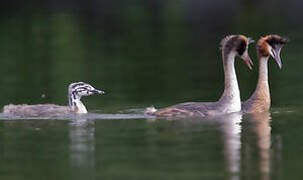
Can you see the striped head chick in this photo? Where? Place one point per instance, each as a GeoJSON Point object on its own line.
{"type": "Point", "coordinates": [76, 91]}
{"type": "Point", "coordinates": [237, 44]}
{"type": "Point", "coordinates": [271, 45]}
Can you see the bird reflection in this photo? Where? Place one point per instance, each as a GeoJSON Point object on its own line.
{"type": "Point", "coordinates": [263, 131]}
{"type": "Point", "coordinates": [256, 131]}
{"type": "Point", "coordinates": [261, 127]}
{"type": "Point", "coordinates": [231, 133]}
{"type": "Point", "coordinates": [82, 148]}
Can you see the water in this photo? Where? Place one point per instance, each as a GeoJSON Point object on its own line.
{"type": "Point", "coordinates": [228, 147]}
{"type": "Point", "coordinates": [145, 53]}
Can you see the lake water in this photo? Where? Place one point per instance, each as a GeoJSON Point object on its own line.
{"type": "Point", "coordinates": [145, 53]}
{"type": "Point", "coordinates": [260, 146]}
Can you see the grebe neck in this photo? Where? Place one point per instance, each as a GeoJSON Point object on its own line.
{"type": "Point", "coordinates": [231, 94]}
{"type": "Point", "coordinates": [262, 90]}
{"type": "Point", "coordinates": [263, 73]}
{"type": "Point", "coordinates": [75, 103]}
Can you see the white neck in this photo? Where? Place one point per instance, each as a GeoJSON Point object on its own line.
{"type": "Point", "coordinates": [230, 98]}
{"type": "Point", "coordinates": [76, 105]}
{"type": "Point", "coordinates": [263, 70]}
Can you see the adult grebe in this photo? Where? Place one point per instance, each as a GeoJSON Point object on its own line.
{"type": "Point", "coordinates": [75, 92]}
{"type": "Point", "coordinates": [270, 45]}
{"type": "Point", "coordinates": [232, 46]}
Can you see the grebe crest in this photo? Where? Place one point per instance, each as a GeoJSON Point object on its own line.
{"type": "Point", "coordinates": [271, 45]}
{"type": "Point", "coordinates": [237, 45]}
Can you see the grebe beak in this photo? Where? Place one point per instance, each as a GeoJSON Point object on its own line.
{"type": "Point", "coordinates": [276, 54]}
{"type": "Point", "coordinates": [247, 60]}
{"type": "Point", "coordinates": [250, 40]}
{"type": "Point", "coordinates": [96, 91]}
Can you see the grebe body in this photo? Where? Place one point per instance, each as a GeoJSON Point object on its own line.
{"type": "Point", "coordinates": [232, 46]}
{"type": "Point", "coordinates": [75, 92]}
{"type": "Point", "coordinates": [267, 46]}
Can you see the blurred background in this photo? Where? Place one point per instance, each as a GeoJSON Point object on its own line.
{"type": "Point", "coordinates": [141, 52]}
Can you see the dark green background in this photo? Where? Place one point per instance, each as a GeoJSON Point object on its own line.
{"type": "Point", "coordinates": [140, 52]}
{"type": "Point", "coordinates": [143, 53]}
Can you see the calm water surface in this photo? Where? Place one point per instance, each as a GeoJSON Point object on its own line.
{"type": "Point", "coordinates": [144, 53]}
{"type": "Point", "coordinates": [261, 146]}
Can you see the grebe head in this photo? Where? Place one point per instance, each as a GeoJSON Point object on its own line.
{"type": "Point", "coordinates": [83, 89]}
{"type": "Point", "coordinates": [271, 45]}
{"type": "Point", "coordinates": [237, 44]}
{"type": "Point", "coordinates": [76, 91]}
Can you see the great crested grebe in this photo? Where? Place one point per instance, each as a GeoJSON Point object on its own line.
{"type": "Point", "coordinates": [232, 46]}
{"type": "Point", "coordinates": [270, 45]}
{"type": "Point", "coordinates": [75, 92]}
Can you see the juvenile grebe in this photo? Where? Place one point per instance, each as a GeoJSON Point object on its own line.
{"type": "Point", "coordinates": [232, 46]}
{"type": "Point", "coordinates": [270, 45]}
{"type": "Point", "coordinates": [75, 92]}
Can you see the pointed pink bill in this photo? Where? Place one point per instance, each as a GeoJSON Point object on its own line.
{"type": "Point", "coordinates": [249, 62]}
{"type": "Point", "coordinates": [277, 51]}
